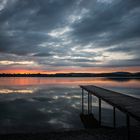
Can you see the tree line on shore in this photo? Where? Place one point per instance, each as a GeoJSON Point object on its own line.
{"type": "Point", "coordinates": [113, 74]}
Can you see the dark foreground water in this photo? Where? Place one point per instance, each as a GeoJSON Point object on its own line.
{"type": "Point", "coordinates": [46, 104]}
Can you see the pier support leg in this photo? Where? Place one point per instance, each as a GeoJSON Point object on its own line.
{"type": "Point", "coordinates": [99, 111]}
{"type": "Point", "coordinates": [88, 103]}
{"type": "Point", "coordinates": [128, 126]}
{"type": "Point", "coordinates": [114, 117]}
{"type": "Point", "coordinates": [82, 101]}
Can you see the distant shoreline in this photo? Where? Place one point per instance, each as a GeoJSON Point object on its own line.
{"type": "Point", "coordinates": [107, 75]}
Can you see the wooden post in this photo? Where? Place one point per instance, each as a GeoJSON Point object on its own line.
{"type": "Point", "coordinates": [88, 103]}
{"type": "Point", "coordinates": [99, 111]}
{"type": "Point", "coordinates": [128, 126]}
{"type": "Point", "coordinates": [114, 117]}
{"type": "Point", "coordinates": [82, 101]}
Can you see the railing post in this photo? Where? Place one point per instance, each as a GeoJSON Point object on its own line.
{"type": "Point", "coordinates": [99, 111]}
{"type": "Point", "coordinates": [114, 117]}
{"type": "Point", "coordinates": [82, 101]}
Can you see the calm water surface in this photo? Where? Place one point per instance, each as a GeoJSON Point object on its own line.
{"type": "Point", "coordinates": [45, 104]}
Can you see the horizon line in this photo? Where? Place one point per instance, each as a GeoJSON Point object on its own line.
{"type": "Point", "coordinates": [74, 73]}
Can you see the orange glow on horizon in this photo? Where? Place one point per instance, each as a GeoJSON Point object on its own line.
{"type": "Point", "coordinates": [73, 70]}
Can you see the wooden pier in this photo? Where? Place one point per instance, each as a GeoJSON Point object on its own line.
{"type": "Point", "coordinates": [127, 104]}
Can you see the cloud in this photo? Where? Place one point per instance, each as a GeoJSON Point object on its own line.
{"type": "Point", "coordinates": [64, 33]}
{"type": "Point", "coordinates": [16, 62]}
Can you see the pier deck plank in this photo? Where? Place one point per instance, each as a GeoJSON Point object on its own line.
{"type": "Point", "coordinates": [127, 104]}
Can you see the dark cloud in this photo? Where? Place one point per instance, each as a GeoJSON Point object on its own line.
{"type": "Point", "coordinates": [118, 63]}
{"type": "Point", "coordinates": [42, 54]}
{"type": "Point", "coordinates": [70, 33]}
{"type": "Point", "coordinates": [108, 24]}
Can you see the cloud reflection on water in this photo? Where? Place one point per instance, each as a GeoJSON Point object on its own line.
{"type": "Point", "coordinates": [8, 91]}
{"type": "Point", "coordinates": [50, 103]}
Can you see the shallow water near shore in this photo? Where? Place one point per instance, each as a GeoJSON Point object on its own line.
{"type": "Point", "coordinates": [46, 104]}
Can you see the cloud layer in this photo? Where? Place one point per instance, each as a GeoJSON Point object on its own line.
{"type": "Point", "coordinates": [65, 34]}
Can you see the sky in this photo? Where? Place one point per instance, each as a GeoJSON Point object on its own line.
{"type": "Point", "coordinates": [56, 36]}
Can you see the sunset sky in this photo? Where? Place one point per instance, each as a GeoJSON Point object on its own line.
{"type": "Point", "coordinates": [54, 36]}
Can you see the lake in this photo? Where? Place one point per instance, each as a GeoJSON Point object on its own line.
{"type": "Point", "coordinates": [46, 104]}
